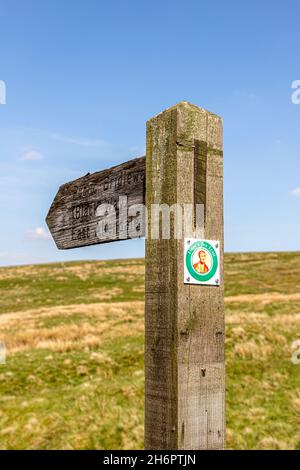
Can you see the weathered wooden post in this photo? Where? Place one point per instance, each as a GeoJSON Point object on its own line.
{"type": "Point", "coordinates": [184, 324]}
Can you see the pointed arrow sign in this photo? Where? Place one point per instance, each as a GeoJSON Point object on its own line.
{"type": "Point", "coordinates": [101, 207]}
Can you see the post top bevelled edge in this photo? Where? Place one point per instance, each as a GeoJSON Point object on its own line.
{"type": "Point", "coordinates": [186, 104]}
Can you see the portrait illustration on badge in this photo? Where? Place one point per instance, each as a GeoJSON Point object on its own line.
{"type": "Point", "coordinates": [201, 262]}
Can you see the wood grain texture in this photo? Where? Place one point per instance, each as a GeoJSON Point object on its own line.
{"type": "Point", "coordinates": [184, 324]}
{"type": "Point", "coordinates": [79, 216]}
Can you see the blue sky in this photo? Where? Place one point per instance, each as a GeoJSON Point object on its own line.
{"type": "Point", "coordinates": [82, 78]}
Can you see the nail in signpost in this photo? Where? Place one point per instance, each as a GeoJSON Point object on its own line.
{"type": "Point", "coordinates": [184, 289]}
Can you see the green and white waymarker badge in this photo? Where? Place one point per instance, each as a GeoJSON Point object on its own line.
{"type": "Point", "coordinates": [201, 262]}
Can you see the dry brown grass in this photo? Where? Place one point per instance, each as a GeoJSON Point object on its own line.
{"type": "Point", "coordinates": [84, 271]}
{"type": "Point", "coordinates": [19, 272]}
{"type": "Point", "coordinates": [109, 320]}
{"type": "Point", "coordinates": [103, 294]}
{"type": "Point", "coordinates": [250, 349]}
{"type": "Point", "coordinates": [270, 443]}
{"type": "Point", "coordinates": [254, 317]}
{"type": "Point", "coordinates": [264, 299]}
{"type": "Point", "coordinates": [91, 396]}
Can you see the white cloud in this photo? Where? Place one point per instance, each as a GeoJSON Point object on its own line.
{"type": "Point", "coordinates": [78, 141]}
{"type": "Point", "coordinates": [295, 192]}
{"type": "Point", "coordinates": [32, 155]}
{"type": "Point", "coordinates": [38, 233]}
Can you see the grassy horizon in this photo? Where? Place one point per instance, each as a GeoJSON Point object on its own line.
{"type": "Point", "coordinates": [74, 333]}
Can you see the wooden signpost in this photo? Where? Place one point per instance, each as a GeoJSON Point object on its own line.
{"type": "Point", "coordinates": [79, 215]}
{"type": "Point", "coordinates": [184, 323]}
